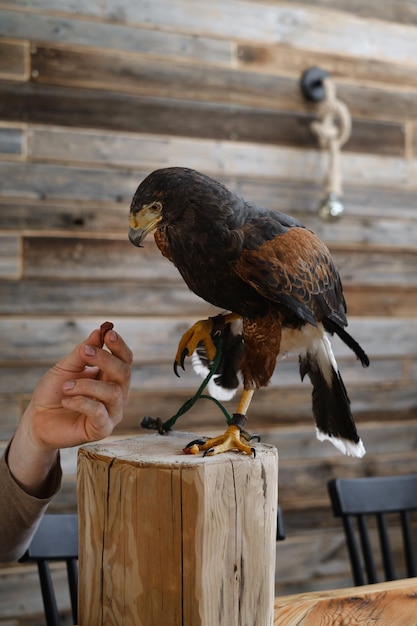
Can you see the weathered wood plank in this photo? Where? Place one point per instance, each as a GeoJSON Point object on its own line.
{"type": "Point", "coordinates": [308, 479]}
{"type": "Point", "coordinates": [227, 157]}
{"type": "Point", "coordinates": [151, 377]}
{"type": "Point", "coordinates": [10, 414]}
{"type": "Point", "coordinates": [113, 35]}
{"type": "Point", "coordinates": [372, 217]}
{"type": "Point", "coordinates": [104, 259]}
{"type": "Point", "coordinates": [285, 179]}
{"type": "Point", "coordinates": [10, 262]}
{"type": "Point", "coordinates": [342, 67]}
{"type": "Point", "coordinates": [47, 104]}
{"type": "Point", "coordinates": [303, 197]}
{"type": "Point", "coordinates": [283, 405]}
{"type": "Point", "coordinates": [155, 339]}
{"type": "Point", "coordinates": [116, 259]}
{"type": "Point", "coordinates": [293, 442]}
{"type": "Point", "coordinates": [18, 214]}
{"type": "Point", "coordinates": [377, 300]}
{"type": "Point", "coordinates": [364, 267]}
{"type": "Point", "coordinates": [305, 26]}
{"type": "Point", "coordinates": [151, 77]}
{"type": "Point", "coordinates": [413, 140]}
{"type": "Point", "coordinates": [14, 60]}
{"type": "Point", "coordinates": [91, 109]}
{"type": "Point", "coordinates": [45, 340]}
{"type": "Point", "coordinates": [12, 141]}
{"type": "Point", "coordinates": [275, 407]}
{"type": "Point", "coordinates": [33, 180]}
{"type": "Point", "coordinates": [390, 10]}
{"type": "Point", "coordinates": [147, 376]}
{"type": "Point", "coordinates": [144, 76]}
{"type": "Point", "coordinates": [140, 75]}
{"type": "Point", "coordinates": [86, 297]}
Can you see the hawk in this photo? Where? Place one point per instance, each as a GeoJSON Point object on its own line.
{"type": "Point", "coordinates": [275, 280]}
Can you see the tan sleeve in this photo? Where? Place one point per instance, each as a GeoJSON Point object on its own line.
{"type": "Point", "coordinates": [20, 513]}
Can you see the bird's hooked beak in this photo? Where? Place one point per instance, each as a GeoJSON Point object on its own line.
{"type": "Point", "coordinates": [146, 220]}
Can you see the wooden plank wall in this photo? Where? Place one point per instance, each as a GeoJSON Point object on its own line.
{"type": "Point", "coordinates": [95, 95]}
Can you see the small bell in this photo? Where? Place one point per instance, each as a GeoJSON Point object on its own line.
{"type": "Point", "coordinates": [331, 208]}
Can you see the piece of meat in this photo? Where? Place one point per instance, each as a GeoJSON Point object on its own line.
{"type": "Point", "coordinates": [104, 328]}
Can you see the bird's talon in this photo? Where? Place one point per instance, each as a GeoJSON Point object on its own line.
{"type": "Point", "coordinates": [176, 369]}
{"type": "Point", "coordinates": [184, 354]}
{"type": "Point", "coordinates": [191, 450]}
{"type": "Point", "coordinates": [196, 442]}
{"type": "Point", "coordinates": [255, 437]}
{"type": "Point", "coordinates": [208, 452]}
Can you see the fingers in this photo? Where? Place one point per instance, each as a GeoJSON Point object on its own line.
{"type": "Point", "coordinates": [101, 403]}
{"type": "Point", "coordinates": [113, 342]}
{"type": "Point", "coordinates": [118, 347]}
{"type": "Point", "coordinates": [113, 366]}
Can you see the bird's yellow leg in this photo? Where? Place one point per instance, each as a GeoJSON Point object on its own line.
{"type": "Point", "coordinates": [245, 401]}
{"type": "Point", "coordinates": [231, 439]}
{"type": "Point", "coordinates": [201, 331]}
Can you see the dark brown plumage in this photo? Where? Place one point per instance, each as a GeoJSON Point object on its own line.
{"type": "Point", "coordinates": [265, 267]}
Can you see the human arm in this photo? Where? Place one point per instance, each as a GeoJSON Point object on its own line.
{"type": "Point", "coordinates": [80, 399]}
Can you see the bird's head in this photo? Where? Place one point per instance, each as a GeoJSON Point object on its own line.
{"type": "Point", "coordinates": [175, 194]}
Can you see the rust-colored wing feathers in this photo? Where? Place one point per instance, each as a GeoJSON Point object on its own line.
{"type": "Point", "coordinates": [296, 270]}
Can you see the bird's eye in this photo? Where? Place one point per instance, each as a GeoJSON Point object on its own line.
{"type": "Point", "coordinates": [156, 206]}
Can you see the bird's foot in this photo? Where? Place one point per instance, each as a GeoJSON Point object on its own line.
{"type": "Point", "coordinates": [201, 331]}
{"type": "Point", "coordinates": [233, 439]}
{"type": "Point", "coordinates": [206, 332]}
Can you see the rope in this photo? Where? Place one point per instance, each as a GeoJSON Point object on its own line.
{"type": "Point", "coordinates": [333, 130]}
{"type": "Point", "coordinates": [166, 426]}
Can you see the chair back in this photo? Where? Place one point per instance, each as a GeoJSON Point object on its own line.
{"type": "Point", "coordinates": [56, 539]}
{"type": "Point", "coordinates": [280, 525]}
{"type": "Point", "coordinates": [356, 500]}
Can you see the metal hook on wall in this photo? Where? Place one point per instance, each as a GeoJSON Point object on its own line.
{"type": "Point", "coordinates": [333, 129]}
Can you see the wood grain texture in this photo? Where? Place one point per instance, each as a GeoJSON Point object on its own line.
{"type": "Point", "coordinates": [154, 339]}
{"type": "Point", "coordinates": [144, 76]}
{"type": "Point", "coordinates": [12, 141]}
{"type": "Point", "coordinates": [388, 603]}
{"type": "Point", "coordinates": [114, 36]}
{"type": "Point", "coordinates": [342, 67]}
{"type": "Point", "coordinates": [305, 26]}
{"type": "Point", "coordinates": [14, 60]}
{"type": "Point", "coordinates": [46, 104]}
{"type": "Point", "coordinates": [184, 535]}
{"type": "Point", "coordinates": [117, 259]}
{"type": "Point", "coordinates": [10, 256]}
{"type": "Point", "coordinates": [147, 152]}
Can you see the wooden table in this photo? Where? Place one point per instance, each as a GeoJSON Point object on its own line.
{"type": "Point", "coordinates": [383, 604]}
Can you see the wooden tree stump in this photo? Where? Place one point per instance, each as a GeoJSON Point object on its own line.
{"type": "Point", "coordinates": [168, 539]}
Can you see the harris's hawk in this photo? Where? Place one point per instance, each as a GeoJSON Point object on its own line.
{"type": "Point", "coordinates": [275, 279]}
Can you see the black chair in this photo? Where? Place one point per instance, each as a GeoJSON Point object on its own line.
{"type": "Point", "coordinates": [56, 539]}
{"type": "Point", "coordinates": [362, 498]}
{"type": "Point", "coordinates": [280, 525]}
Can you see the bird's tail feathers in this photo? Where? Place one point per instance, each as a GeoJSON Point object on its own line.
{"type": "Point", "coordinates": [331, 405]}
{"type": "Point", "coordinates": [332, 327]}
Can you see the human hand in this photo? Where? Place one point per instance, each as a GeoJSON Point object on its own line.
{"type": "Point", "coordinates": [79, 400]}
